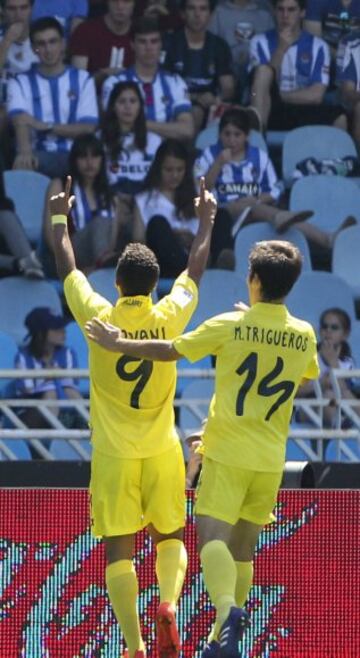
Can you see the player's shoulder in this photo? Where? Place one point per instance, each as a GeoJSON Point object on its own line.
{"type": "Point", "coordinates": [300, 325]}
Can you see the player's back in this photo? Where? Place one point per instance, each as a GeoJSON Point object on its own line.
{"type": "Point", "coordinates": [132, 399]}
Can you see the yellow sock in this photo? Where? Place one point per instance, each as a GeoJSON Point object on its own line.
{"type": "Point", "coordinates": [219, 574]}
{"type": "Point", "coordinates": [171, 563]}
{"type": "Point", "coordinates": [122, 586]}
{"type": "Point", "coordinates": [245, 572]}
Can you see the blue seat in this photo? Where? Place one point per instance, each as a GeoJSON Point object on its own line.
{"type": "Point", "coordinates": [76, 340]}
{"type": "Point", "coordinates": [332, 198]}
{"type": "Point", "coordinates": [218, 292]}
{"type": "Point", "coordinates": [314, 141]}
{"type": "Point", "coordinates": [103, 282]}
{"type": "Point", "coordinates": [28, 190]}
{"type": "Point", "coordinates": [345, 257]}
{"type": "Point", "coordinates": [201, 389]}
{"type": "Point", "coordinates": [18, 296]}
{"type": "Point", "coordinates": [63, 450]}
{"type": "Point", "coordinates": [184, 364]}
{"type": "Point", "coordinates": [8, 351]}
{"type": "Point", "coordinates": [18, 447]}
{"type": "Point", "coordinates": [354, 341]}
{"type": "Point", "coordinates": [314, 292]}
{"type": "Point", "coordinates": [252, 233]}
{"type": "Point", "coordinates": [210, 136]}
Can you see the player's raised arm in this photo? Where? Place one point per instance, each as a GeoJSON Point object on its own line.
{"type": "Point", "coordinates": [110, 338]}
{"type": "Point", "coordinates": [60, 206]}
{"type": "Point", "coordinates": [205, 208]}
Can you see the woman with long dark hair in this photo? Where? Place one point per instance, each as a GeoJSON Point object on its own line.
{"type": "Point", "coordinates": [129, 146]}
{"type": "Point", "coordinates": [164, 212]}
{"type": "Point", "coordinates": [95, 221]}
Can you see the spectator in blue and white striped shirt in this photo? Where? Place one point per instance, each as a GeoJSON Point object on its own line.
{"type": "Point", "coordinates": [349, 79]}
{"type": "Point", "coordinates": [291, 73]}
{"type": "Point", "coordinates": [56, 101]}
{"type": "Point", "coordinates": [166, 97]}
{"type": "Point", "coordinates": [244, 182]}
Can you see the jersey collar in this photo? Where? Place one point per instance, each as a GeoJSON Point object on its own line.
{"type": "Point", "coordinates": [137, 303]}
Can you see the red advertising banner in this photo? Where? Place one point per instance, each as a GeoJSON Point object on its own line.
{"type": "Point", "coordinates": [305, 602]}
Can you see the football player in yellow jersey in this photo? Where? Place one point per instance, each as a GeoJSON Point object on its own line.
{"type": "Point", "coordinates": [262, 355]}
{"type": "Point", "coordinates": [137, 471]}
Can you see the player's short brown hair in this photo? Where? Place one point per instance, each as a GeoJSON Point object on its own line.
{"type": "Point", "coordinates": [278, 265]}
{"type": "Point", "coordinates": [137, 270]}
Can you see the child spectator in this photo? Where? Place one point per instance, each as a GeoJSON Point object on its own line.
{"type": "Point", "coordinates": [45, 348]}
{"type": "Point", "coordinates": [243, 181]}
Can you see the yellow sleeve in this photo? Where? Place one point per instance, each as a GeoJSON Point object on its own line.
{"type": "Point", "coordinates": [313, 370]}
{"type": "Point", "coordinates": [83, 302]}
{"type": "Point", "coordinates": [180, 303]}
{"type": "Point", "coordinates": [206, 339]}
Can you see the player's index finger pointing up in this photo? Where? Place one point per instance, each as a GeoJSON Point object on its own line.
{"type": "Point", "coordinates": [202, 188]}
{"type": "Point", "coordinates": [67, 186]}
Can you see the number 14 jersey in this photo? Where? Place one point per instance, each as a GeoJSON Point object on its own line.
{"type": "Point", "coordinates": [131, 400]}
{"type": "Point", "coordinates": [261, 357]}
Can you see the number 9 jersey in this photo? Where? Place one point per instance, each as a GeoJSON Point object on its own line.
{"type": "Point", "coordinates": [131, 400]}
{"type": "Point", "coordinates": [262, 355]}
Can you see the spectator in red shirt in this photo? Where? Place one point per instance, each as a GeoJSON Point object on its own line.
{"type": "Point", "coordinates": [102, 45]}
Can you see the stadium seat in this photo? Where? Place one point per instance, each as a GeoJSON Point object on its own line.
{"type": "Point", "coordinates": [345, 257]}
{"type": "Point", "coordinates": [248, 235]}
{"type": "Point", "coordinates": [63, 450]}
{"type": "Point", "coordinates": [76, 340]}
{"type": "Point", "coordinates": [218, 292]}
{"type": "Point", "coordinates": [103, 282]}
{"type": "Point", "coordinates": [28, 189]}
{"type": "Point", "coordinates": [19, 447]}
{"type": "Point", "coordinates": [8, 351]}
{"type": "Point", "coordinates": [209, 136]}
{"type": "Point", "coordinates": [314, 141]}
{"type": "Point", "coordinates": [185, 365]}
{"type": "Point", "coordinates": [201, 389]}
{"type": "Point", "coordinates": [314, 292]}
{"type": "Point", "coordinates": [332, 198]}
{"type": "Point", "coordinates": [354, 341]}
{"type": "Point", "coordinates": [18, 296]}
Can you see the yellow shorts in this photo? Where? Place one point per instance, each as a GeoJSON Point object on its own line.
{"type": "Point", "coordinates": [128, 494]}
{"type": "Point", "coordinates": [229, 493]}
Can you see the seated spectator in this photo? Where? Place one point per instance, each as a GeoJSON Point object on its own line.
{"type": "Point", "coordinates": [243, 180]}
{"type": "Point", "coordinates": [334, 21]}
{"type": "Point", "coordinates": [291, 73]}
{"type": "Point", "coordinates": [102, 45]}
{"type": "Point", "coordinates": [333, 352]}
{"type": "Point", "coordinates": [69, 14]}
{"type": "Point", "coordinates": [236, 21]}
{"type": "Point", "coordinates": [130, 147]}
{"type": "Point", "coordinates": [349, 79]}
{"type": "Point", "coordinates": [167, 106]}
{"type": "Point", "coordinates": [16, 53]}
{"type": "Point", "coordinates": [164, 212]}
{"type": "Point", "coordinates": [96, 226]}
{"type": "Point", "coordinates": [56, 101]}
{"type": "Point", "coordinates": [45, 348]}
{"type": "Point", "coordinates": [202, 59]}
{"type": "Point", "coordinates": [16, 255]}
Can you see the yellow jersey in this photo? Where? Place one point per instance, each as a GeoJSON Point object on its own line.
{"type": "Point", "coordinates": [262, 355]}
{"type": "Point", "coordinates": [131, 400]}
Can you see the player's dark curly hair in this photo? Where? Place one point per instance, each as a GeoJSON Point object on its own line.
{"type": "Point", "coordinates": [137, 270]}
{"type": "Point", "coordinates": [278, 265]}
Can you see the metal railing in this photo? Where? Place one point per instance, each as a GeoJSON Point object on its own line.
{"type": "Point", "coordinates": [42, 440]}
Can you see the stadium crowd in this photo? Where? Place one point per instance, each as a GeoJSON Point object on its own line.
{"type": "Point", "coordinates": [138, 99]}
